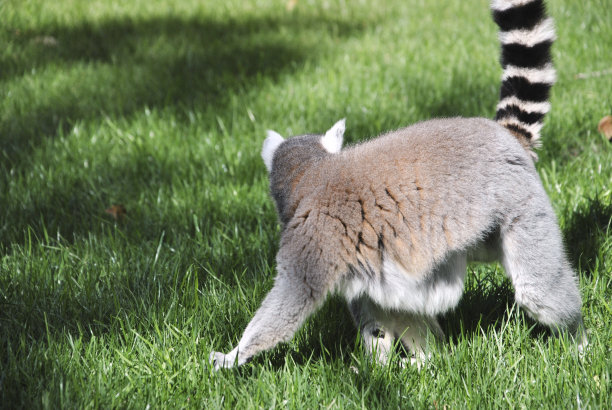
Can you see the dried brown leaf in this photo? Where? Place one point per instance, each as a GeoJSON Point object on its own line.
{"type": "Point", "coordinates": [605, 127]}
{"type": "Point", "coordinates": [291, 4]}
{"type": "Point", "coordinates": [117, 211]}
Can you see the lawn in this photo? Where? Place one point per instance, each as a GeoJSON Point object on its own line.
{"type": "Point", "coordinates": [162, 106]}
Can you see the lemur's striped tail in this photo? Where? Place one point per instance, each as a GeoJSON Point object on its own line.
{"type": "Point", "coordinates": [526, 35]}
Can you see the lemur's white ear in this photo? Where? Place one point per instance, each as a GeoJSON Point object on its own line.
{"type": "Point", "coordinates": [270, 145]}
{"type": "Point", "coordinates": [332, 140]}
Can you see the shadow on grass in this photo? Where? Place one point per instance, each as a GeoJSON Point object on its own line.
{"type": "Point", "coordinates": [73, 207]}
{"type": "Point", "coordinates": [486, 305]}
{"type": "Point", "coordinates": [46, 283]}
{"type": "Point", "coordinates": [116, 67]}
{"type": "Point", "coordinates": [585, 232]}
{"type": "Point", "coordinates": [113, 69]}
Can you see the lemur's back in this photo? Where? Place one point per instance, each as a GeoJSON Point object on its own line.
{"type": "Point", "coordinates": [414, 194]}
{"type": "Point", "coordinates": [433, 153]}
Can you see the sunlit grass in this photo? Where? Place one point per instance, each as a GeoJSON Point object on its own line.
{"type": "Point", "coordinates": [161, 106]}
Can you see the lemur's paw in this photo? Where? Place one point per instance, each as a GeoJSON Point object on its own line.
{"type": "Point", "coordinates": [418, 360]}
{"type": "Point", "coordinates": [411, 361]}
{"type": "Point", "coordinates": [582, 342]}
{"type": "Point", "coordinates": [221, 361]}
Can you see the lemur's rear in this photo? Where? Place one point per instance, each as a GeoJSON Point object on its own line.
{"type": "Point", "coordinates": [391, 223]}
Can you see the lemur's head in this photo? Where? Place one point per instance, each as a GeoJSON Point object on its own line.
{"type": "Point", "coordinates": [276, 148]}
{"type": "Point", "coordinates": [287, 161]}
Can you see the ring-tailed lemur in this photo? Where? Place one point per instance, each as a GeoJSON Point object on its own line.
{"type": "Point", "coordinates": [390, 223]}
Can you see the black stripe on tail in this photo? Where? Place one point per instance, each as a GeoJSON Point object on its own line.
{"type": "Point", "coordinates": [526, 35]}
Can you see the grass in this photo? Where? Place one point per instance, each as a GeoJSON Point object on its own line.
{"type": "Point", "coordinates": [162, 106]}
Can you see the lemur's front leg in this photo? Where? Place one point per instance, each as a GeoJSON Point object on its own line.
{"type": "Point", "coordinates": [290, 301]}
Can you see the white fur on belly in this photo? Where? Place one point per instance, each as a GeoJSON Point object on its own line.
{"type": "Point", "coordinates": [396, 289]}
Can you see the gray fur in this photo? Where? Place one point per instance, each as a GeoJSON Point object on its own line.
{"type": "Point", "coordinates": [390, 223]}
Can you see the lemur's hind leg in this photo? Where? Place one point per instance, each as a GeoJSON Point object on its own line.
{"type": "Point", "coordinates": [376, 338]}
{"type": "Point", "coordinates": [534, 259]}
{"type": "Point", "coordinates": [443, 289]}
{"type": "Point", "coordinates": [380, 329]}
